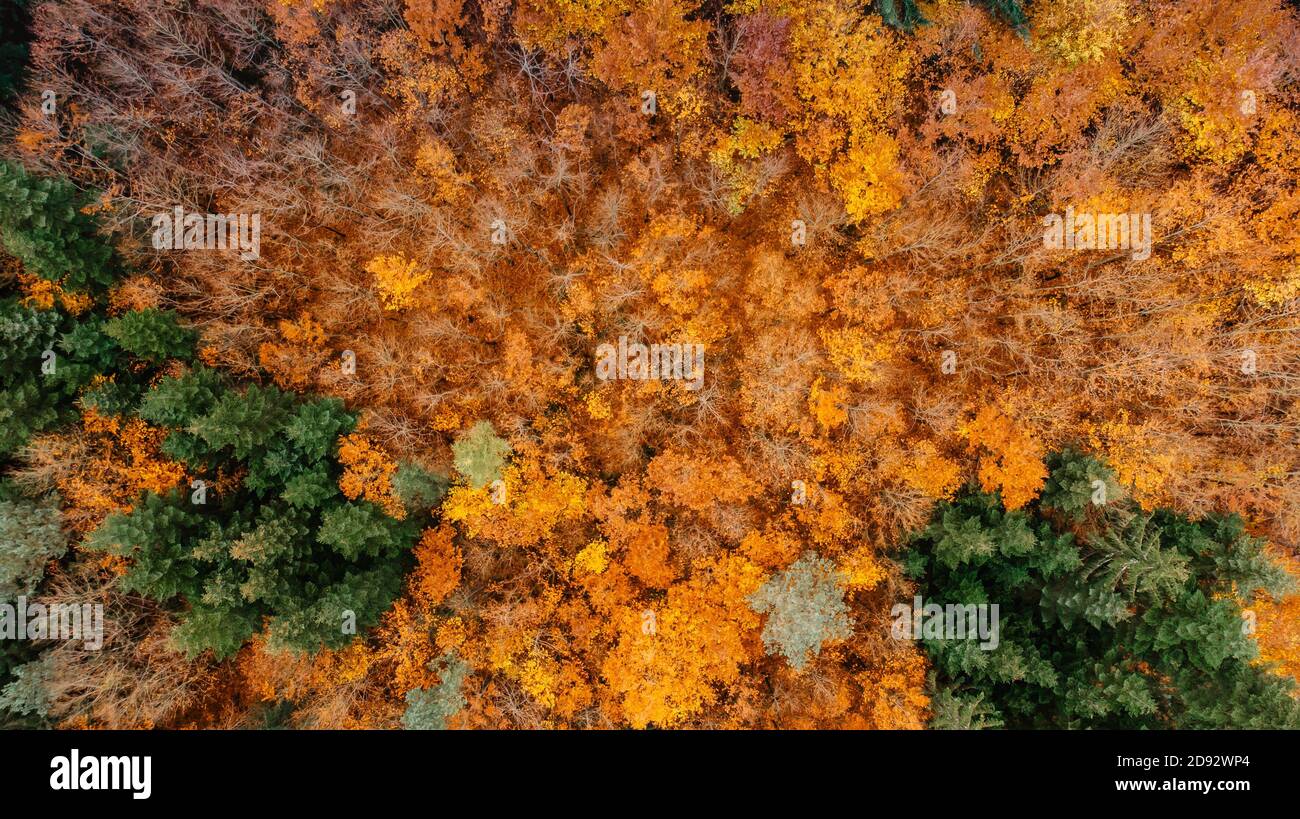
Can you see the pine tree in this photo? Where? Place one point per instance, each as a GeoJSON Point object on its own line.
{"type": "Point", "coordinates": [221, 629]}
{"type": "Point", "coordinates": [27, 405]}
{"type": "Point", "coordinates": [905, 15]}
{"type": "Point", "coordinates": [246, 422]}
{"type": "Point", "coordinates": [340, 612]}
{"type": "Point", "coordinates": [1109, 616]}
{"type": "Point", "coordinates": [1077, 482]}
{"type": "Point", "coordinates": [158, 534]}
{"type": "Point", "coordinates": [27, 693]}
{"type": "Point", "coordinates": [84, 352]}
{"type": "Point", "coordinates": [805, 608]}
{"type": "Point", "coordinates": [31, 535]}
{"type": "Point", "coordinates": [15, 31]}
{"type": "Point", "coordinates": [153, 335]}
{"type": "Point", "coordinates": [427, 709]}
{"type": "Point", "coordinates": [1012, 13]}
{"type": "Point", "coordinates": [42, 224]}
{"type": "Point", "coordinates": [284, 545]}
{"type": "Point", "coordinates": [357, 529]}
{"type": "Point", "coordinates": [175, 400]}
{"type": "Point", "coordinates": [901, 14]}
{"type": "Point", "coordinates": [957, 712]}
{"type": "Point", "coordinates": [479, 454]}
{"type": "Point", "coordinates": [417, 488]}
{"type": "Point", "coordinates": [23, 698]}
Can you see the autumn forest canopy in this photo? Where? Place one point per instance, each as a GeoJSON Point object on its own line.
{"type": "Point", "coordinates": [650, 364]}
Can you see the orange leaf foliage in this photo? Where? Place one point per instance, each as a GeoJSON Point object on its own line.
{"type": "Point", "coordinates": [1011, 462]}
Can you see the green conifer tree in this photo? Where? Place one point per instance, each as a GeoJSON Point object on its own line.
{"type": "Point", "coordinates": [428, 709]}
{"type": "Point", "coordinates": [1109, 616]}
{"type": "Point", "coordinates": [153, 335]}
{"type": "Point", "coordinates": [42, 224]}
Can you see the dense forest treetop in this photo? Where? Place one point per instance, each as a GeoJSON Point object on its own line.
{"type": "Point", "coordinates": [842, 204]}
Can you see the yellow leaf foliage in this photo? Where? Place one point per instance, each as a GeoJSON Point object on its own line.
{"type": "Point", "coordinates": [669, 658]}
{"type": "Point", "coordinates": [398, 280]}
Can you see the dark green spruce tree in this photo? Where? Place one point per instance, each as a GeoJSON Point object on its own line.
{"type": "Point", "coordinates": [41, 223]}
{"type": "Point", "coordinates": [283, 546]}
{"type": "Point", "coordinates": [905, 15]}
{"type": "Point", "coordinates": [1110, 616]}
